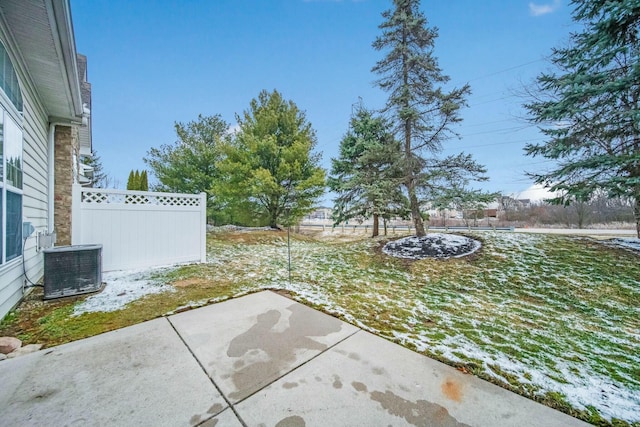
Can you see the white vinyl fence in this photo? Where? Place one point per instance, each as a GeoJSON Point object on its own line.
{"type": "Point", "coordinates": [140, 229]}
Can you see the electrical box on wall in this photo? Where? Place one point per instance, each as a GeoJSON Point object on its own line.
{"type": "Point", "coordinates": [27, 229]}
{"type": "Point", "coordinates": [45, 240]}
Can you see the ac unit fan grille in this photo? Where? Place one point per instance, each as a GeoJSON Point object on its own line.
{"type": "Point", "coordinates": [72, 270]}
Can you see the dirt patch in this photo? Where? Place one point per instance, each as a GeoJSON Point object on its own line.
{"type": "Point", "coordinates": [249, 236]}
{"type": "Point", "coordinates": [25, 320]}
{"type": "Point", "coordinates": [194, 281]}
{"type": "Point", "coordinates": [285, 293]}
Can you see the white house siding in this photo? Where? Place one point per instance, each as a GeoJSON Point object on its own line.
{"type": "Point", "coordinates": [34, 200]}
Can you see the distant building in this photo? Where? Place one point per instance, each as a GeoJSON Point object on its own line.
{"type": "Point", "coordinates": [510, 203]}
{"type": "Point", "coordinates": [491, 213]}
{"type": "Point", "coordinates": [320, 214]}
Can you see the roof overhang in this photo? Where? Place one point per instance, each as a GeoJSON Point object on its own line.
{"type": "Point", "coordinates": [43, 32]}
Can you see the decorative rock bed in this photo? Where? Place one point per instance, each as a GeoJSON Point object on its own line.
{"type": "Point", "coordinates": [433, 245]}
{"type": "Point", "coordinates": [11, 347]}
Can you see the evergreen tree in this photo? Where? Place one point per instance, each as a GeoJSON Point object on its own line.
{"type": "Point", "coordinates": [136, 180]}
{"type": "Point", "coordinates": [100, 177]}
{"type": "Point", "coordinates": [271, 169]}
{"type": "Point", "coordinates": [367, 176]}
{"type": "Point", "coordinates": [131, 181]}
{"type": "Point", "coordinates": [190, 164]}
{"type": "Point", "coordinates": [144, 181]}
{"type": "Point", "coordinates": [422, 111]}
{"type": "Point", "coordinates": [591, 107]}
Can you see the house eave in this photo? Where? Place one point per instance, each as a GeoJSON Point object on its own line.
{"type": "Point", "coordinates": [42, 30]}
{"type": "Point", "coordinates": [62, 20]}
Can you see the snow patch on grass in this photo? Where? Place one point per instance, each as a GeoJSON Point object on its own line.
{"type": "Point", "coordinates": [580, 389]}
{"type": "Point", "coordinates": [122, 287]}
{"type": "Point", "coordinates": [627, 243]}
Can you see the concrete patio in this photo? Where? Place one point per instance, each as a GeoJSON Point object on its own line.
{"type": "Point", "coordinates": [260, 360]}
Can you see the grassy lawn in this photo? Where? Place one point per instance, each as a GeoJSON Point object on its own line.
{"type": "Point", "coordinates": [551, 317]}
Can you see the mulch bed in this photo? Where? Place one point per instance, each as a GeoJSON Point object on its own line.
{"type": "Point", "coordinates": [435, 245]}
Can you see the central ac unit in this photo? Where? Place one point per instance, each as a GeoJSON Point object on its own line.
{"type": "Point", "coordinates": [72, 270]}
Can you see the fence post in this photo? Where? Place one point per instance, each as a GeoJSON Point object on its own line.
{"type": "Point", "coordinates": [76, 214]}
{"type": "Point", "coordinates": [203, 230]}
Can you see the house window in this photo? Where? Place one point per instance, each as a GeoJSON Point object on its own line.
{"type": "Point", "coordinates": [9, 80]}
{"type": "Point", "coordinates": [11, 166]}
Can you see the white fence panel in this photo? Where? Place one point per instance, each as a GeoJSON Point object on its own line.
{"type": "Point", "coordinates": [140, 229]}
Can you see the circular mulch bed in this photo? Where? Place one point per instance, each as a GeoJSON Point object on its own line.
{"type": "Point", "coordinates": [434, 245]}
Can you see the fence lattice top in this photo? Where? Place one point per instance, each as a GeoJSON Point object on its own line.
{"type": "Point", "coordinates": [95, 196]}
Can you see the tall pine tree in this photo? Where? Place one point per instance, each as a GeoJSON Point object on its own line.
{"type": "Point", "coordinates": [590, 107]}
{"type": "Point", "coordinates": [422, 110]}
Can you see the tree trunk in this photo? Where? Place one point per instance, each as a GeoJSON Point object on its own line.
{"type": "Point", "coordinates": [416, 216]}
{"type": "Point", "coordinates": [272, 212]}
{"type": "Point", "coordinates": [411, 184]}
{"type": "Point", "coordinates": [636, 211]}
{"type": "Point", "coordinates": [408, 152]}
{"type": "Point", "coordinates": [582, 210]}
{"type": "Point", "coordinates": [375, 225]}
{"type": "Point", "coordinates": [273, 220]}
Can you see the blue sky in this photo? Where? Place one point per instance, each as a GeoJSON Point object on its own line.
{"type": "Point", "coordinates": [152, 63]}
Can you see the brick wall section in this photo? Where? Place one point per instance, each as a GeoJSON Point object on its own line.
{"type": "Point", "coordinates": [66, 145]}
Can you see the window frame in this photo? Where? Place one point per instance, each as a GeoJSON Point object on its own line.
{"type": "Point", "coordinates": [10, 112]}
